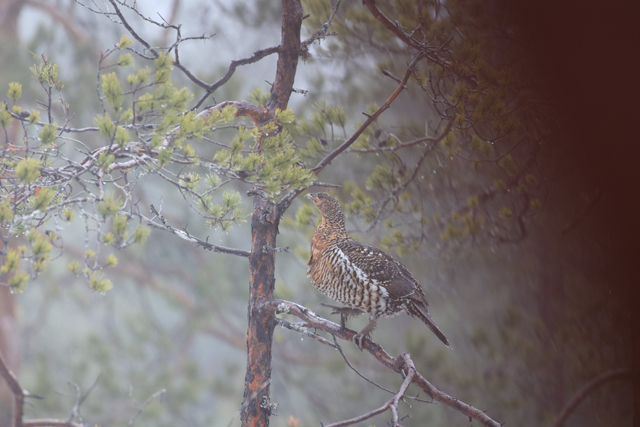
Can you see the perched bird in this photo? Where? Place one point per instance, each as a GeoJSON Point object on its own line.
{"type": "Point", "coordinates": [360, 276]}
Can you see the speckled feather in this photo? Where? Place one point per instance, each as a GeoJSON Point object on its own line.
{"type": "Point", "coordinates": [359, 275]}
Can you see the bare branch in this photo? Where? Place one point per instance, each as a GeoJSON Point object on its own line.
{"type": "Point", "coordinates": [19, 395]}
{"type": "Point", "coordinates": [584, 391]}
{"type": "Point", "coordinates": [344, 356]}
{"type": "Point", "coordinates": [370, 119]}
{"type": "Point", "coordinates": [257, 56]}
{"type": "Point", "coordinates": [132, 31]}
{"type": "Point", "coordinates": [184, 234]}
{"type": "Point", "coordinates": [400, 146]}
{"type": "Point", "coordinates": [146, 403]}
{"type": "Point", "coordinates": [320, 34]}
{"type": "Point", "coordinates": [400, 364]}
{"type": "Point", "coordinates": [371, 5]}
{"type": "Point", "coordinates": [392, 404]}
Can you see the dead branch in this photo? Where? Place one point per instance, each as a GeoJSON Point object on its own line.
{"type": "Point", "coordinates": [18, 406]}
{"type": "Point", "coordinates": [18, 395]}
{"type": "Point", "coordinates": [370, 119]}
{"type": "Point", "coordinates": [401, 364]}
{"type": "Point", "coordinates": [157, 394]}
{"type": "Point", "coordinates": [391, 404]}
{"type": "Point", "coordinates": [185, 235]}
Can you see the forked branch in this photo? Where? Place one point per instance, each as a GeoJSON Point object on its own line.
{"type": "Point", "coordinates": [402, 364]}
{"type": "Point", "coordinates": [391, 404]}
{"type": "Point", "coordinates": [18, 406]}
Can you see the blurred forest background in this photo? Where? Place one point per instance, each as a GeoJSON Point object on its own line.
{"type": "Point", "coordinates": [531, 318]}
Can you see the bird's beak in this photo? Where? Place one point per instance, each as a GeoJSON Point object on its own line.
{"type": "Point", "coordinates": [310, 196]}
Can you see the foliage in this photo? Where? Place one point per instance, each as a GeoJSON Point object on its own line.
{"type": "Point", "coordinates": [146, 127]}
{"type": "Point", "coordinates": [487, 125]}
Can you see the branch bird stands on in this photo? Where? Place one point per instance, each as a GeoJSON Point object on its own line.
{"type": "Point", "coordinates": [362, 277]}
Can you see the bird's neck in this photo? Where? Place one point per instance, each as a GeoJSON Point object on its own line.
{"type": "Point", "coordinates": [332, 229]}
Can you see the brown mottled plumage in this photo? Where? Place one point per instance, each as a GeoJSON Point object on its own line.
{"type": "Point", "coordinates": [360, 276]}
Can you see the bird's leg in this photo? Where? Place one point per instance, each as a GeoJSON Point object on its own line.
{"type": "Point", "coordinates": [344, 312]}
{"type": "Point", "coordinates": [365, 333]}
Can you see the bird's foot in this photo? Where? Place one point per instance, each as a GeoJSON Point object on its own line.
{"type": "Point", "coordinates": [344, 312]}
{"type": "Point", "coordinates": [365, 333]}
{"type": "Point", "coordinates": [357, 340]}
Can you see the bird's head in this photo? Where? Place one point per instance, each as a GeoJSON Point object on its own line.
{"type": "Point", "coordinates": [328, 205]}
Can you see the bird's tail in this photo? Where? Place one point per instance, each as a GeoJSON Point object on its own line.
{"type": "Point", "coordinates": [419, 310]}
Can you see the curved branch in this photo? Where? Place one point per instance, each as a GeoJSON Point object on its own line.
{"type": "Point", "coordinates": [411, 42]}
{"type": "Point", "coordinates": [401, 364]}
{"type": "Point", "coordinates": [18, 395]}
{"type": "Point", "coordinates": [132, 31]}
{"type": "Point", "coordinates": [371, 5]}
{"type": "Point", "coordinates": [401, 145]}
{"type": "Point", "coordinates": [257, 55]}
{"type": "Point", "coordinates": [370, 119]}
{"type": "Point", "coordinates": [586, 390]}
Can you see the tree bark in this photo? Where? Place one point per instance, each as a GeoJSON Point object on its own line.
{"type": "Point", "coordinates": [287, 56]}
{"type": "Point", "coordinates": [256, 406]}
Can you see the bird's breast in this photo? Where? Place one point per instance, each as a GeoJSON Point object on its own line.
{"type": "Point", "coordinates": [336, 276]}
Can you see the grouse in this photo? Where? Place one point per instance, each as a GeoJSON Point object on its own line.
{"type": "Point", "coordinates": [362, 277]}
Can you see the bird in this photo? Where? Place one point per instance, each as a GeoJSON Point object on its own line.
{"type": "Point", "coordinates": [362, 277]}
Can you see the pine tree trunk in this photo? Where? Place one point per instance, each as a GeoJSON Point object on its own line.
{"type": "Point", "coordinates": [255, 407]}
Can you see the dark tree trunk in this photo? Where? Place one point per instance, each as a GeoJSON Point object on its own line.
{"type": "Point", "coordinates": [255, 407]}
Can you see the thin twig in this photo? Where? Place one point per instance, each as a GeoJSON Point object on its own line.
{"type": "Point", "coordinates": [391, 404]}
{"type": "Point", "coordinates": [146, 403]}
{"type": "Point", "coordinates": [370, 119]}
{"type": "Point", "coordinates": [339, 348]}
{"type": "Point", "coordinates": [183, 234]}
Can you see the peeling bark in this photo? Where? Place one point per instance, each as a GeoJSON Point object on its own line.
{"type": "Point", "coordinates": [287, 56]}
{"type": "Point", "coordinates": [261, 320]}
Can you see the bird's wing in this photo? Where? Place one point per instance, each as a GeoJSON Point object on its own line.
{"type": "Point", "coordinates": [377, 265]}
